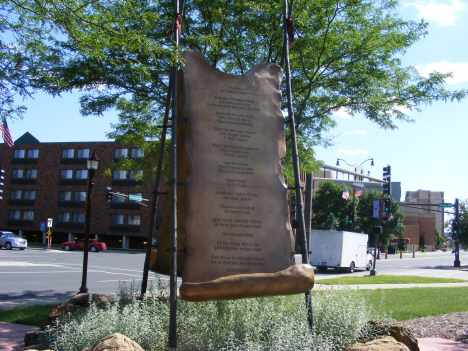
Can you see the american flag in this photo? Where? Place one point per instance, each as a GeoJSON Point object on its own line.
{"type": "Point", "coordinates": [345, 194]}
{"type": "Point", "coordinates": [6, 133]}
{"type": "Point", "coordinates": [358, 193]}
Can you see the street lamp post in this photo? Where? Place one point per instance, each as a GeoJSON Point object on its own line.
{"type": "Point", "coordinates": [92, 164]}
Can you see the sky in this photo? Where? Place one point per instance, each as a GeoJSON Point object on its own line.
{"type": "Point", "coordinates": [427, 154]}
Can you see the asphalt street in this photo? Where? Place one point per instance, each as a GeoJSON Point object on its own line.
{"type": "Point", "coordinates": [37, 275]}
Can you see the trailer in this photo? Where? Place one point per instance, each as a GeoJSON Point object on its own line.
{"type": "Point", "coordinates": [339, 250]}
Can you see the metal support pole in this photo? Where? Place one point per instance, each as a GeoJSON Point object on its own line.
{"type": "Point", "coordinates": [354, 207]}
{"type": "Point", "coordinates": [308, 208]}
{"type": "Point", "coordinates": [84, 277]}
{"type": "Point", "coordinates": [173, 257]}
{"type": "Point", "coordinates": [156, 191]}
{"type": "Point", "coordinates": [456, 263]}
{"type": "Point", "coordinates": [297, 185]}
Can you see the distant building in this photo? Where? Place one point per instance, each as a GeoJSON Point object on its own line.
{"type": "Point", "coordinates": [420, 220]}
{"type": "Point", "coordinates": [50, 180]}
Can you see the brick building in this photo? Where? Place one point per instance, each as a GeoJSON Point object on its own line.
{"type": "Point", "coordinates": [423, 217]}
{"type": "Point", "coordinates": [50, 180]}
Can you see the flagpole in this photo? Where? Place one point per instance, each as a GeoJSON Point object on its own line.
{"type": "Point", "coordinates": [354, 206]}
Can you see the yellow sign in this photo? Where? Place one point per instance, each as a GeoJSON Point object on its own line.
{"type": "Point", "coordinates": [49, 232]}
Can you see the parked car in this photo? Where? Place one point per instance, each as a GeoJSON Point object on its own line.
{"type": "Point", "coordinates": [10, 240]}
{"type": "Point", "coordinates": [370, 261]}
{"type": "Point", "coordinates": [93, 245]}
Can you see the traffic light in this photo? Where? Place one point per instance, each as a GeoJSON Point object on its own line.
{"type": "Point", "coordinates": [387, 176]}
{"type": "Point", "coordinates": [454, 229]}
{"type": "Point", "coordinates": [386, 209]}
{"type": "Point", "coordinates": [351, 221]}
{"type": "Point", "coordinates": [108, 194]}
{"type": "Point", "coordinates": [2, 172]}
{"type": "Point", "coordinates": [293, 206]}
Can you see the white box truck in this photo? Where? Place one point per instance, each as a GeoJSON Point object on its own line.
{"type": "Point", "coordinates": [339, 250]}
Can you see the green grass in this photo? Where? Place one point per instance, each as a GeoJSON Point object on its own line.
{"type": "Point", "coordinates": [403, 304]}
{"type": "Point", "coordinates": [386, 279]}
{"type": "Point", "coordinates": [27, 315]}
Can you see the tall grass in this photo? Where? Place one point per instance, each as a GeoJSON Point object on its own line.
{"type": "Point", "coordinates": [274, 323]}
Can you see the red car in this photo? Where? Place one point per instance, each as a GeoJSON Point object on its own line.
{"type": "Point", "coordinates": [93, 245]}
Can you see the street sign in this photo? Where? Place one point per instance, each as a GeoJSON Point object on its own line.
{"type": "Point", "coordinates": [49, 232]}
{"type": "Point", "coordinates": [135, 197]}
{"type": "Point", "coordinates": [445, 204]}
{"type": "Point", "coordinates": [42, 228]}
{"type": "Point", "coordinates": [49, 222]}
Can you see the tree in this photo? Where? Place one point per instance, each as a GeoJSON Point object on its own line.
{"type": "Point", "coordinates": [463, 224]}
{"type": "Point", "coordinates": [344, 56]}
{"type": "Point", "coordinates": [401, 243]}
{"type": "Point", "coordinates": [422, 242]}
{"type": "Point", "coordinates": [330, 224]}
{"type": "Point", "coordinates": [439, 239]}
{"type": "Point", "coordinates": [328, 200]}
{"type": "Point", "coordinates": [392, 226]}
{"type": "Point", "coordinates": [463, 219]}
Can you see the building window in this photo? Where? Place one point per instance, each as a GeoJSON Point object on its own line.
{"type": "Point", "coordinates": [135, 153]}
{"type": "Point", "coordinates": [119, 175]}
{"type": "Point", "coordinates": [18, 154]}
{"type": "Point", "coordinates": [65, 196]}
{"type": "Point", "coordinates": [135, 194]}
{"type": "Point", "coordinates": [81, 174]}
{"type": "Point", "coordinates": [33, 153]}
{"type": "Point", "coordinates": [121, 153]}
{"type": "Point", "coordinates": [14, 215]}
{"type": "Point", "coordinates": [79, 196]}
{"type": "Point", "coordinates": [117, 219]}
{"type": "Point", "coordinates": [63, 217]}
{"type": "Point", "coordinates": [28, 215]}
{"type": "Point", "coordinates": [31, 173]}
{"type": "Point", "coordinates": [68, 153]}
{"type": "Point", "coordinates": [136, 175]}
{"type": "Point", "coordinates": [29, 194]}
{"type": "Point", "coordinates": [15, 194]}
{"type": "Point", "coordinates": [116, 198]}
{"type": "Point", "coordinates": [82, 153]}
{"type": "Point", "coordinates": [134, 220]}
{"type": "Point", "coordinates": [78, 217]}
{"type": "Point", "coordinates": [66, 174]}
{"type": "Point", "coordinates": [17, 174]}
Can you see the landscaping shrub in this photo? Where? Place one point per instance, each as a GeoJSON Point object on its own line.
{"type": "Point", "coordinates": [273, 323]}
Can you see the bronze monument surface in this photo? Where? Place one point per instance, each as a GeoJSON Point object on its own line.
{"type": "Point", "coordinates": [234, 234]}
{"type": "Point", "coordinates": [238, 239]}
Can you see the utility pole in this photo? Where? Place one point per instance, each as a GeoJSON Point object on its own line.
{"type": "Point", "coordinates": [456, 233]}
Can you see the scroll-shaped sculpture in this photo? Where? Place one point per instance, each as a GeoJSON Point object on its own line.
{"type": "Point", "coordinates": [238, 240]}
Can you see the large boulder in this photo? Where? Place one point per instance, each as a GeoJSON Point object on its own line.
{"type": "Point", "coordinates": [115, 342]}
{"type": "Point", "coordinates": [385, 343]}
{"type": "Point", "coordinates": [78, 302]}
{"type": "Point", "coordinates": [396, 330]}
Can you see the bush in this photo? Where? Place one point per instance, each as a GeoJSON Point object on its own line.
{"type": "Point", "coordinates": [274, 323]}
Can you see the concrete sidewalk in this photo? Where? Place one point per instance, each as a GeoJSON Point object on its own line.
{"type": "Point", "coordinates": [12, 335]}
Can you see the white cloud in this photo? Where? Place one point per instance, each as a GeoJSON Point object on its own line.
{"type": "Point", "coordinates": [459, 70]}
{"type": "Point", "coordinates": [360, 132]}
{"type": "Point", "coordinates": [442, 12]}
{"type": "Point", "coordinates": [352, 152]}
{"type": "Point", "coordinates": [342, 112]}
{"type": "Point", "coordinates": [457, 181]}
